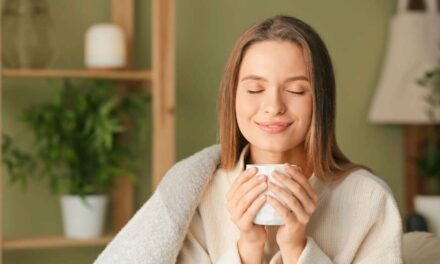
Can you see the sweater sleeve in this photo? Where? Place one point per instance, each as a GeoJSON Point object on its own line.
{"type": "Point", "coordinates": [311, 254]}
{"type": "Point", "coordinates": [381, 244]}
{"type": "Point", "coordinates": [194, 248]}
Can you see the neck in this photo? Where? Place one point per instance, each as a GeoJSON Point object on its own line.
{"type": "Point", "coordinates": [294, 156]}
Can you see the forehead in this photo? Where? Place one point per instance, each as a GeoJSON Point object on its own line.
{"type": "Point", "coordinates": [267, 57]}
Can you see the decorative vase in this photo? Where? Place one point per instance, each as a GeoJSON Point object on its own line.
{"type": "Point", "coordinates": [26, 34]}
{"type": "Point", "coordinates": [429, 207]}
{"type": "Point", "coordinates": [84, 219]}
{"type": "Point", "coordinates": [105, 46]}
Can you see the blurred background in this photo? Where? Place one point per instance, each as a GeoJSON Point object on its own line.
{"type": "Point", "coordinates": [355, 32]}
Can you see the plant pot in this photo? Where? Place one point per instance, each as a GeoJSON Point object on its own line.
{"type": "Point", "coordinates": [83, 219]}
{"type": "Point", "coordinates": [429, 207]}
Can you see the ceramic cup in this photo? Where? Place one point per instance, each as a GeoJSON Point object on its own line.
{"type": "Point", "coordinates": [267, 214]}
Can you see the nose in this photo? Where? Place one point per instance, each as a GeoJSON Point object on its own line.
{"type": "Point", "coordinates": [273, 103]}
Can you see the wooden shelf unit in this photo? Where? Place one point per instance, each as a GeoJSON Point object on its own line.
{"type": "Point", "coordinates": [124, 75]}
{"type": "Point", "coordinates": [53, 242]}
{"type": "Point", "coordinates": [159, 80]}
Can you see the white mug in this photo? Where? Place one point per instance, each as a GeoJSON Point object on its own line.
{"type": "Point", "coordinates": [267, 214]}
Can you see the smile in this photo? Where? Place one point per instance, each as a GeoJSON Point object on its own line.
{"type": "Point", "coordinates": [274, 127]}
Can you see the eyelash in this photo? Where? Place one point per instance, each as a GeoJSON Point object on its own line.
{"type": "Point", "coordinates": [254, 92]}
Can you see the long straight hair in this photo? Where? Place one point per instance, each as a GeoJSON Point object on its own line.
{"type": "Point", "coordinates": [323, 154]}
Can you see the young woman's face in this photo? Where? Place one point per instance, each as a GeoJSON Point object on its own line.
{"type": "Point", "coordinates": [274, 96]}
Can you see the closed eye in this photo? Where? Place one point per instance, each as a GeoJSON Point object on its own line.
{"type": "Point", "coordinates": [296, 92]}
{"type": "Point", "coordinates": [254, 92]}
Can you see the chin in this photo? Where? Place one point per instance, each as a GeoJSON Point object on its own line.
{"type": "Point", "coordinates": [273, 145]}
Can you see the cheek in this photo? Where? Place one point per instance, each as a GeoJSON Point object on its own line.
{"type": "Point", "coordinates": [305, 111]}
{"type": "Point", "coordinates": [300, 109]}
{"type": "Point", "coordinates": [245, 111]}
{"type": "Point", "coordinates": [244, 107]}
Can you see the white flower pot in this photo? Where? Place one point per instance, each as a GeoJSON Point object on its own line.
{"type": "Point", "coordinates": [429, 207]}
{"type": "Point", "coordinates": [83, 220]}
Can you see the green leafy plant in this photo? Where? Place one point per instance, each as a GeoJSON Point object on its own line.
{"type": "Point", "coordinates": [84, 138]}
{"type": "Point", "coordinates": [428, 163]}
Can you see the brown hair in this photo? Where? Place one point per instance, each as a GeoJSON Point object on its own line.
{"type": "Point", "coordinates": [323, 153]}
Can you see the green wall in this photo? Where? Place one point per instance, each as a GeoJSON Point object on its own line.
{"type": "Point", "coordinates": [354, 31]}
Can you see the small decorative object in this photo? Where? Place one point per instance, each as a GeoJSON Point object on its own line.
{"type": "Point", "coordinates": [416, 222]}
{"type": "Point", "coordinates": [105, 46]}
{"type": "Point", "coordinates": [80, 150]}
{"type": "Point", "coordinates": [27, 40]}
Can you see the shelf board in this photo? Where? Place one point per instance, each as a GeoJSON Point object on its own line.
{"type": "Point", "coordinates": [53, 242]}
{"type": "Point", "coordinates": [133, 75]}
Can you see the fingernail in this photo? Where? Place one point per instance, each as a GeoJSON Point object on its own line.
{"type": "Point", "coordinates": [296, 167]}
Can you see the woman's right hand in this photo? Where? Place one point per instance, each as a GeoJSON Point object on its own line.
{"type": "Point", "coordinates": [244, 202]}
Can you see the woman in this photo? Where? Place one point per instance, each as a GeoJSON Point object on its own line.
{"type": "Point", "coordinates": [276, 105]}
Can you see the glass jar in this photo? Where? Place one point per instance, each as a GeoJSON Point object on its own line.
{"type": "Point", "coordinates": [27, 34]}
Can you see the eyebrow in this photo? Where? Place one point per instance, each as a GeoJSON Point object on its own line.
{"type": "Point", "coordinates": [290, 79]}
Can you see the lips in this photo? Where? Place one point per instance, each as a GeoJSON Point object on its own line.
{"type": "Point", "coordinates": [274, 127]}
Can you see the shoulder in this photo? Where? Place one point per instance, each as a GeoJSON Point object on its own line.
{"type": "Point", "coordinates": [193, 169]}
{"type": "Point", "coordinates": [363, 195]}
{"type": "Point", "coordinates": [207, 157]}
{"type": "Point", "coordinates": [365, 180]}
{"type": "Point", "coordinates": [365, 188]}
{"type": "Point", "coordinates": [208, 153]}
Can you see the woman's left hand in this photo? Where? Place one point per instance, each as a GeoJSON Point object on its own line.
{"type": "Point", "coordinates": [301, 202]}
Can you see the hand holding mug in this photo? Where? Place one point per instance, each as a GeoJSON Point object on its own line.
{"type": "Point", "coordinates": [301, 201]}
{"type": "Point", "coordinates": [244, 201]}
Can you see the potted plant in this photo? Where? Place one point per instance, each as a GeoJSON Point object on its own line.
{"type": "Point", "coordinates": [428, 163]}
{"type": "Point", "coordinates": [82, 143]}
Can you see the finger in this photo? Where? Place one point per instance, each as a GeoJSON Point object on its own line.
{"type": "Point", "coordinates": [296, 173]}
{"type": "Point", "coordinates": [246, 186]}
{"type": "Point", "coordinates": [302, 180]}
{"type": "Point", "coordinates": [284, 213]}
{"type": "Point", "coordinates": [251, 212]}
{"type": "Point", "coordinates": [245, 194]}
{"type": "Point", "coordinates": [297, 167]}
{"type": "Point", "coordinates": [250, 197]}
{"type": "Point", "coordinates": [243, 177]}
{"type": "Point", "coordinates": [291, 202]}
{"type": "Point", "coordinates": [297, 190]}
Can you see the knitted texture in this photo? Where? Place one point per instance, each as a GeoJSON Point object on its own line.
{"type": "Point", "coordinates": [356, 221]}
{"type": "Point", "coordinates": [157, 230]}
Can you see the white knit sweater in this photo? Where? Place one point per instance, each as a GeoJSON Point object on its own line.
{"type": "Point", "coordinates": [356, 221]}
